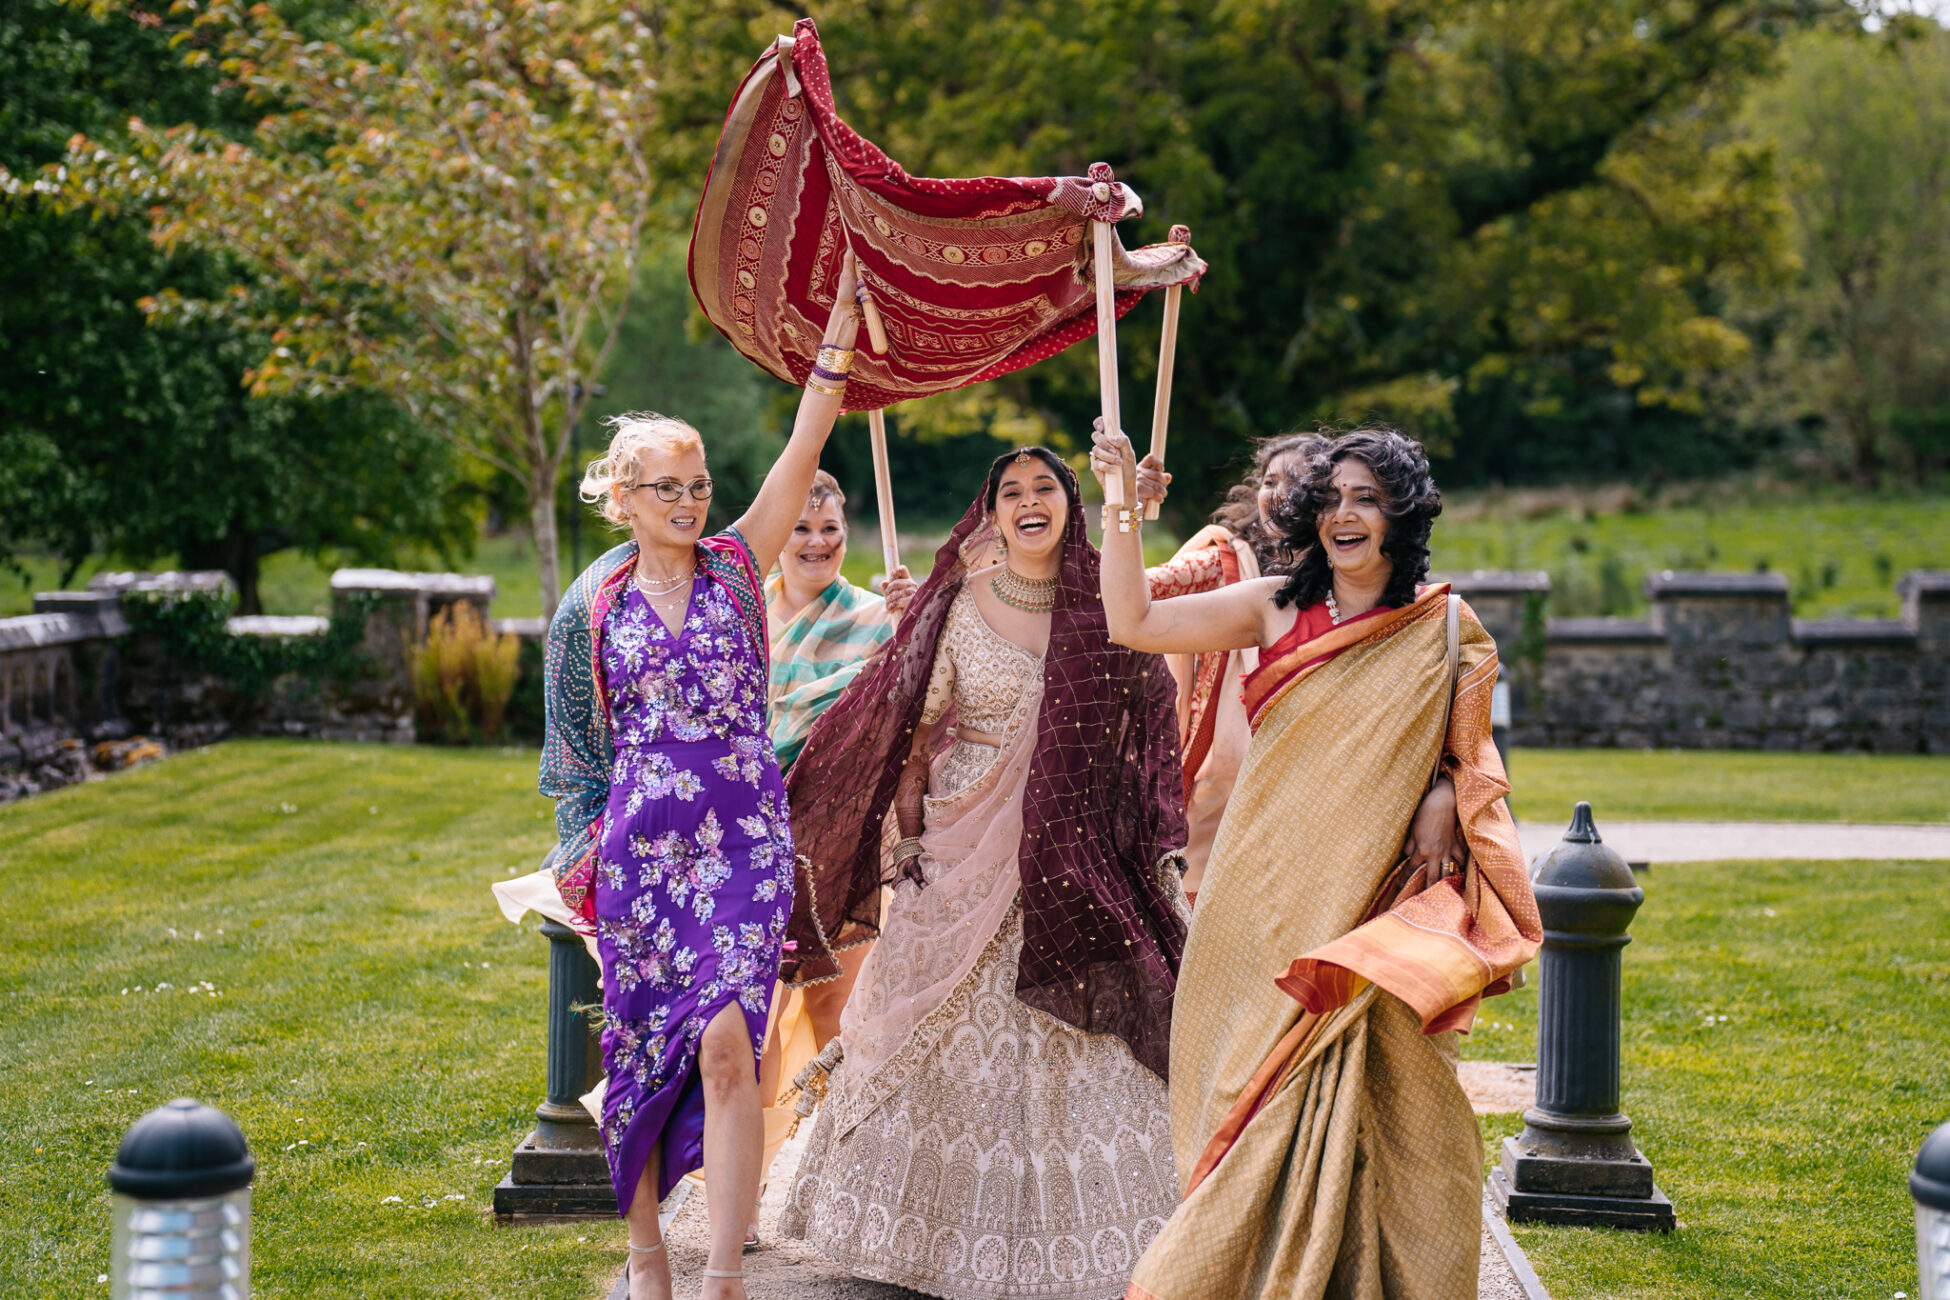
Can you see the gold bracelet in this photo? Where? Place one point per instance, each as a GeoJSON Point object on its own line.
{"type": "Point", "coordinates": [832, 357]}
{"type": "Point", "coordinates": [818, 387]}
{"type": "Point", "coordinates": [907, 850]}
{"type": "Point", "coordinates": [1132, 516]}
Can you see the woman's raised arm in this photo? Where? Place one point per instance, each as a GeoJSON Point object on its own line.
{"type": "Point", "coordinates": [1231, 618]}
{"type": "Point", "coordinates": [768, 523]}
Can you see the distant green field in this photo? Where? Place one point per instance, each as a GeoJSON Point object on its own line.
{"type": "Point", "coordinates": [1841, 557]}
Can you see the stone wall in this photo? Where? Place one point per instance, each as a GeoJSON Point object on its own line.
{"type": "Point", "coordinates": [81, 668]}
{"type": "Point", "coordinates": [1721, 663]}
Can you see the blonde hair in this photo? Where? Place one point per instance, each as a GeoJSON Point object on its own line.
{"type": "Point", "coordinates": [632, 435]}
{"type": "Point", "coordinates": [826, 488]}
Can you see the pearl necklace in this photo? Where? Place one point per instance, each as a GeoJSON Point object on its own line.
{"type": "Point", "coordinates": [1333, 610]}
{"type": "Point", "coordinates": [1030, 595]}
{"type": "Point", "coordinates": [662, 587]}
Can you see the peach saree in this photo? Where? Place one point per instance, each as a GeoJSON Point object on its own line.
{"type": "Point", "coordinates": [1326, 1146]}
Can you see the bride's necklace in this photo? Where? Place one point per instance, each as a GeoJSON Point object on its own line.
{"type": "Point", "coordinates": [1030, 595]}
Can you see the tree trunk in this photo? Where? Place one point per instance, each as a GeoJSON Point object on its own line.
{"type": "Point", "coordinates": [541, 520]}
{"type": "Point", "coordinates": [236, 554]}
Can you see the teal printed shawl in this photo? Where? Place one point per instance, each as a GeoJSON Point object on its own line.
{"type": "Point", "coordinates": [817, 653]}
{"type": "Point", "coordinates": [577, 749]}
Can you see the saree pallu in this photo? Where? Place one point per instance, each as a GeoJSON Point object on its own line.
{"type": "Point", "coordinates": [817, 654]}
{"type": "Point", "coordinates": [1326, 1146]}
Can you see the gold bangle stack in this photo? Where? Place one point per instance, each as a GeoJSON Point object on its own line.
{"type": "Point", "coordinates": [831, 367]}
{"type": "Point", "coordinates": [1127, 518]}
{"type": "Point", "coordinates": [907, 850]}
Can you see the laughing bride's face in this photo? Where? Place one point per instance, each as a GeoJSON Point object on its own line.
{"type": "Point", "coordinates": [1031, 510]}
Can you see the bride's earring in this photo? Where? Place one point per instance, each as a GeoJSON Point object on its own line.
{"type": "Point", "coordinates": [1001, 545]}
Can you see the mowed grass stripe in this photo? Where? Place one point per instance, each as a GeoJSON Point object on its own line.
{"type": "Point", "coordinates": [377, 1028]}
{"type": "Point", "coordinates": [1729, 785]}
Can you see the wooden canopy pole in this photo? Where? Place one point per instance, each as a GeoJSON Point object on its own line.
{"type": "Point", "coordinates": [883, 485]}
{"type": "Point", "coordinates": [1100, 235]}
{"type": "Point", "coordinates": [1167, 355]}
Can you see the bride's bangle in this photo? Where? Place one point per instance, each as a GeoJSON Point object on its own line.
{"type": "Point", "coordinates": [907, 850]}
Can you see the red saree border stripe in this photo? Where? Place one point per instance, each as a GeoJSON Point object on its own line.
{"type": "Point", "coordinates": [1271, 681]}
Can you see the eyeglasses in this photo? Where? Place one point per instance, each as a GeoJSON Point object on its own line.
{"type": "Point", "coordinates": [669, 489]}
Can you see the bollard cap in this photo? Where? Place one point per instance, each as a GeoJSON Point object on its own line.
{"type": "Point", "coordinates": [182, 1151]}
{"type": "Point", "coordinates": [1582, 859]}
{"type": "Point", "coordinates": [1929, 1181]}
{"type": "Point", "coordinates": [1583, 887]}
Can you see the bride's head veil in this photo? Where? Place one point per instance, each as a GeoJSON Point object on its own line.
{"type": "Point", "coordinates": [1102, 812]}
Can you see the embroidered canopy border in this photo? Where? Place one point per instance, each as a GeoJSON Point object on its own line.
{"type": "Point", "coordinates": [974, 278]}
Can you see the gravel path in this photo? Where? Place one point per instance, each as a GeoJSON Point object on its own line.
{"type": "Point", "coordinates": [792, 1270]}
{"type": "Point", "coordinates": [1718, 841]}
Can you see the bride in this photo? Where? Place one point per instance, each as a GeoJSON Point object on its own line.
{"type": "Point", "coordinates": [998, 1125]}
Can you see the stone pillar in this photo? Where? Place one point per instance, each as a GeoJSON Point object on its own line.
{"type": "Point", "coordinates": [404, 603]}
{"type": "Point", "coordinates": [1735, 665]}
{"type": "Point", "coordinates": [1926, 613]}
{"type": "Point", "coordinates": [1575, 1162]}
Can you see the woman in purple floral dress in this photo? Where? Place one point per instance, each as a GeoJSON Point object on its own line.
{"type": "Point", "coordinates": [676, 846]}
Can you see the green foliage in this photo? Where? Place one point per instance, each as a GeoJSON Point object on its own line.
{"type": "Point", "coordinates": [191, 627]}
{"type": "Point", "coordinates": [444, 206]}
{"type": "Point", "coordinates": [376, 1027]}
{"type": "Point", "coordinates": [1782, 1062]}
{"type": "Point", "coordinates": [1859, 348]}
{"type": "Point", "coordinates": [464, 674]}
{"type": "Point", "coordinates": [119, 438]}
{"type": "Point", "coordinates": [1495, 221]}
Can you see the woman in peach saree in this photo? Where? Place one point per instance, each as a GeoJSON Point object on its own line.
{"type": "Point", "coordinates": [1325, 1146]}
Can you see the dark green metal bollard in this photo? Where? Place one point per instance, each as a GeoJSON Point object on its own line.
{"type": "Point", "coordinates": [559, 1170]}
{"type": "Point", "coordinates": [1575, 1162]}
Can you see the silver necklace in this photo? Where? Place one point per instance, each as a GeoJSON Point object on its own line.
{"type": "Point", "coordinates": [660, 587]}
{"type": "Point", "coordinates": [1333, 610]}
{"type": "Point", "coordinates": [1030, 595]}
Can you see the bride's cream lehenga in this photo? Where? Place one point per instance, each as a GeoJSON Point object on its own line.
{"type": "Point", "coordinates": [970, 1147]}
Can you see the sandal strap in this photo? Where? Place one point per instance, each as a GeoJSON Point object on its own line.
{"type": "Point", "coordinates": [724, 1272]}
{"type": "Point", "coordinates": [645, 1250]}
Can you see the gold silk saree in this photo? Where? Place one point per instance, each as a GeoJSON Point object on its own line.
{"type": "Point", "coordinates": [1326, 1146]}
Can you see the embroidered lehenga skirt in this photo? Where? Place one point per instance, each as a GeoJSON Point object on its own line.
{"type": "Point", "coordinates": [970, 1147]}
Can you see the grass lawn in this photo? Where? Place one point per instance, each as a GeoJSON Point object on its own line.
{"type": "Point", "coordinates": [376, 1027]}
{"type": "Point", "coordinates": [1785, 1029]}
{"type": "Point", "coordinates": [1729, 785]}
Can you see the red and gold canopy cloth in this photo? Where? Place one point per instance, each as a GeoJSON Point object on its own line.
{"type": "Point", "coordinates": [974, 278]}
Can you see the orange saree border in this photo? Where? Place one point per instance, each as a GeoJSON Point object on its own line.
{"type": "Point", "coordinates": [1442, 948]}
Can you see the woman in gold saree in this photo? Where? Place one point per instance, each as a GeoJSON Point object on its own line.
{"type": "Point", "coordinates": [1325, 1146]}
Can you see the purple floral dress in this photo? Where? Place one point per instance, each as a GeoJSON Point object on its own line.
{"type": "Point", "coordinates": [694, 874]}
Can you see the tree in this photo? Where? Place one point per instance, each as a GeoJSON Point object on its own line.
{"type": "Point", "coordinates": [1457, 214]}
{"type": "Point", "coordinates": [445, 207]}
{"type": "Point", "coordinates": [117, 437]}
{"type": "Point", "coordinates": [1860, 346]}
